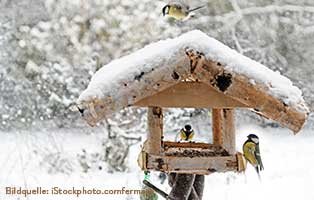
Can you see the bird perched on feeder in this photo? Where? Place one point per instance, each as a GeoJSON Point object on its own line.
{"type": "Point", "coordinates": [179, 10]}
{"type": "Point", "coordinates": [252, 153]}
{"type": "Point", "coordinates": [186, 133]}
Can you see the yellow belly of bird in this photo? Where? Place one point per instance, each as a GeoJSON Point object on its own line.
{"type": "Point", "coordinates": [248, 151]}
{"type": "Point", "coordinates": [177, 14]}
{"type": "Point", "coordinates": [183, 136]}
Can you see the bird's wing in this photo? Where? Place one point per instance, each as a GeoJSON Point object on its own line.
{"type": "Point", "coordinates": [258, 157]}
{"type": "Point", "coordinates": [249, 152]}
{"type": "Point", "coordinates": [191, 135]}
{"type": "Point", "coordinates": [182, 135]}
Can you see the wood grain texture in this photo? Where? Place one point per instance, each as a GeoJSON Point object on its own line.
{"type": "Point", "coordinates": [155, 130]}
{"type": "Point", "coordinates": [228, 131]}
{"type": "Point", "coordinates": [224, 129]}
{"type": "Point", "coordinates": [217, 126]}
{"type": "Point", "coordinates": [190, 95]}
{"type": "Point", "coordinates": [194, 165]}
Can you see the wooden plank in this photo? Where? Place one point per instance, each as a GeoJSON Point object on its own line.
{"type": "Point", "coordinates": [228, 131]}
{"type": "Point", "coordinates": [155, 130]}
{"type": "Point", "coordinates": [241, 162]}
{"type": "Point", "coordinates": [223, 129]}
{"type": "Point", "coordinates": [194, 165]}
{"type": "Point", "coordinates": [190, 95]}
{"type": "Point", "coordinates": [217, 126]}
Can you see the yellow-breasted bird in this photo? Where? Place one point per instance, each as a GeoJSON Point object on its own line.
{"type": "Point", "coordinates": [252, 153]}
{"type": "Point", "coordinates": [178, 10]}
{"type": "Point", "coordinates": [186, 133]}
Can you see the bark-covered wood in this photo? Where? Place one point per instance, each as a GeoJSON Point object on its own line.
{"type": "Point", "coordinates": [241, 162]}
{"type": "Point", "coordinates": [127, 92]}
{"type": "Point", "coordinates": [198, 186]}
{"type": "Point", "coordinates": [232, 85]}
{"type": "Point", "coordinates": [196, 190]}
{"type": "Point", "coordinates": [192, 165]}
{"type": "Point", "coordinates": [228, 139]}
{"type": "Point", "coordinates": [182, 186]}
{"type": "Point", "coordinates": [255, 96]}
{"type": "Point", "coordinates": [217, 126]}
{"type": "Point", "coordinates": [155, 130]}
{"type": "Point", "coordinates": [185, 159]}
{"type": "Point", "coordinates": [224, 129]}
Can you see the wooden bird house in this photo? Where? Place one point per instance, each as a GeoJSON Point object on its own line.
{"type": "Point", "coordinates": [193, 71]}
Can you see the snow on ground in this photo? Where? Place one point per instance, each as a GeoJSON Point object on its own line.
{"type": "Point", "coordinates": [288, 160]}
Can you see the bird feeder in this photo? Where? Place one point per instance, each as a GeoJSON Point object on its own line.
{"type": "Point", "coordinates": [212, 76]}
{"type": "Point", "coordinates": [193, 158]}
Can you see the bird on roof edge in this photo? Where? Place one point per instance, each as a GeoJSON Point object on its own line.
{"type": "Point", "coordinates": [179, 10]}
{"type": "Point", "coordinates": [252, 153]}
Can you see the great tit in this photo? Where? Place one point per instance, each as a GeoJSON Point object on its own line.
{"type": "Point", "coordinates": [178, 10]}
{"type": "Point", "coordinates": [252, 153]}
{"type": "Point", "coordinates": [186, 133]}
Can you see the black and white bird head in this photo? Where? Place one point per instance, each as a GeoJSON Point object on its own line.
{"type": "Point", "coordinates": [187, 128]}
{"type": "Point", "coordinates": [253, 138]}
{"type": "Point", "coordinates": [165, 10]}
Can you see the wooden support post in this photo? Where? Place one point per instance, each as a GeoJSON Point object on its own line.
{"type": "Point", "coordinates": [217, 126]}
{"type": "Point", "coordinates": [228, 131]}
{"type": "Point", "coordinates": [223, 129]}
{"type": "Point", "coordinates": [155, 130]}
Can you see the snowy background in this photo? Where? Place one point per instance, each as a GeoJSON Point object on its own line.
{"type": "Point", "coordinates": [26, 157]}
{"type": "Point", "coordinates": [49, 49]}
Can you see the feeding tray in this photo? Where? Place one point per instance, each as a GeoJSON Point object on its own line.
{"type": "Point", "coordinates": [191, 158]}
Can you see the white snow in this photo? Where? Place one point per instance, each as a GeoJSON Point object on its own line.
{"type": "Point", "coordinates": [288, 162]}
{"type": "Point", "coordinates": [160, 53]}
{"type": "Point", "coordinates": [32, 68]}
{"type": "Point", "coordinates": [22, 43]}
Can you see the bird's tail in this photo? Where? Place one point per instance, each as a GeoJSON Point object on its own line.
{"type": "Point", "coordinates": [197, 8]}
{"type": "Point", "coordinates": [257, 170]}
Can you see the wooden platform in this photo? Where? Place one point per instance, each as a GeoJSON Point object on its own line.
{"type": "Point", "coordinates": [191, 158]}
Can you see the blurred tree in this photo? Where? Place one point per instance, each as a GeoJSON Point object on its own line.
{"type": "Point", "coordinates": [50, 49]}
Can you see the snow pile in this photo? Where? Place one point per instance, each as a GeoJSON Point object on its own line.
{"type": "Point", "coordinates": [288, 173]}
{"type": "Point", "coordinates": [163, 54]}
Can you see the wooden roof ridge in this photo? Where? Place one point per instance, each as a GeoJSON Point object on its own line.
{"type": "Point", "coordinates": [181, 63]}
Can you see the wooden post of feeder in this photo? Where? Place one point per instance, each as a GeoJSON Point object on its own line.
{"type": "Point", "coordinates": [223, 129]}
{"type": "Point", "coordinates": [155, 130]}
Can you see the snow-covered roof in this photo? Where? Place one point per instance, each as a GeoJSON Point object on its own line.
{"type": "Point", "coordinates": [124, 78]}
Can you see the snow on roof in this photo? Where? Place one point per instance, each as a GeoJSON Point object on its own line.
{"type": "Point", "coordinates": [164, 53]}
